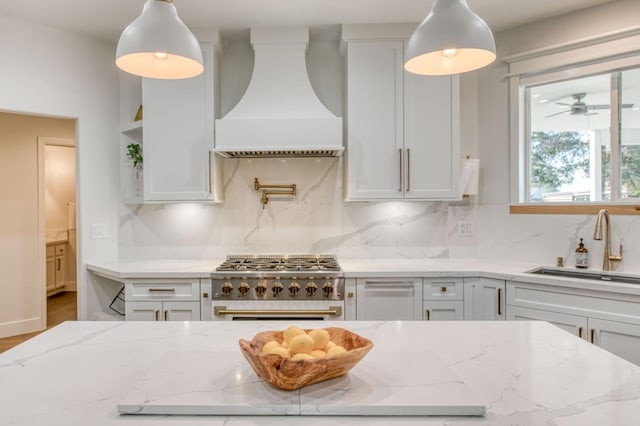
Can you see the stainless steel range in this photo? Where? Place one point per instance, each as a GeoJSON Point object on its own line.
{"type": "Point", "coordinates": [309, 287]}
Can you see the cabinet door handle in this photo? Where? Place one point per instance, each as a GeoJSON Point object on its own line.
{"type": "Point", "coordinates": [162, 289]}
{"type": "Point", "coordinates": [400, 174]}
{"type": "Point", "coordinates": [499, 301]}
{"type": "Point", "coordinates": [592, 335]}
{"type": "Point", "coordinates": [388, 284]}
{"type": "Point", "coordinates": [381, 287]}
{"type": "Point", "coordinates": [210, 161]}
{"type": "Point", "coordinates": [166, 315]}
{"type": "Point", "coordinates": [157, 315]}
{"type": "Point", "coordinates": [58, 264]}
{"type": "Point", "coordinates": [428, 314]}
{"type": "Point", "coordinates": [408, 169]}
{"type": "Point", "coordinates": [580, 332]}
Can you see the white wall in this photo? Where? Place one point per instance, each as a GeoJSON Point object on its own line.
{"type": "Point", "coordinates": [54, 72]}
{"type": "Point", "coordinates": [318, 221]}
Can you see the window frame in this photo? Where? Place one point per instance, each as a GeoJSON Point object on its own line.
{"type": "Point", "coordinates": [560, 63]}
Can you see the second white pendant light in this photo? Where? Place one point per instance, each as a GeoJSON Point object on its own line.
{"type": "Point", "coordinates": [451, 40]}
{"type": "Point", "coordinates": [159, 45]}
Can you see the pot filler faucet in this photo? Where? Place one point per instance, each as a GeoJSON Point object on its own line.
{"type": "Point", "coordinates": [608, 259]}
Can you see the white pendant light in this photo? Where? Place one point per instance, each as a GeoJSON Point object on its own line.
{"type": "Point", "coordinates": [159, 45]}
{"type": "Point", "coordinates": [451, 40]}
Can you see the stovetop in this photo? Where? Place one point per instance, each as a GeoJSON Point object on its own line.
{"type": "Point", "coordinates": [281, 263]}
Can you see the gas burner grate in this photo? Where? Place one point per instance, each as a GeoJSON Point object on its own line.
{"type": "Point", "coordinates": [286, 263]}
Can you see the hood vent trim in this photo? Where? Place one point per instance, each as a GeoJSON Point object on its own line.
{"type": "Point", "coordinates": [279, 115]}
{"type": "Point", "coordinates": [281, 153]}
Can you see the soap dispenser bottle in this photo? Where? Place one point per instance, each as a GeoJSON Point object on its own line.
{"type": "Point", "coordinates": [582, 256]}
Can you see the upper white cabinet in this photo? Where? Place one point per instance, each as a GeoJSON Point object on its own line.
{"type": "Point", "coordinates": [402, 129]}
{"type": "Point", "coordinates": [177, 136]}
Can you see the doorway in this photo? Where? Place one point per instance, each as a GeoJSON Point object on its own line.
{"type": "Point", "coordinates": [23, 307]}
{"type": "Point", "coordinates": [57, 187]}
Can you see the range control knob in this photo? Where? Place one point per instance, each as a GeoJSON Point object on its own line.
{"type": "Point", "coordinates": [311, 288]}
{"type": "Point", "coordinates": [243, 288]}
{"type": "Point", "coordinates": [277, 288]}
{"type": "Point", "coordinates": [327, 288]}
{"type": "Point", "coordinates": [294, 288]}
{"type": "Point", "coordinates": [227, 288]}
{"type": "Point", "coordinates": [261, 289]}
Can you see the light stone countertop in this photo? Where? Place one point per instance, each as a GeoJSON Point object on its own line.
{"type": "Point", "coordinates": [525, 373]}
{"type": "Point", "coordinates": [371, 268]}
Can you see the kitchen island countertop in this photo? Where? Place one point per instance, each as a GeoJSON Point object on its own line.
{"type": "Point", "coordinates": [525, 373]}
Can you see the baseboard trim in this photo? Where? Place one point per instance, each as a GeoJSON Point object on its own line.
{"type": "Point", "coordinates": [15, 328]}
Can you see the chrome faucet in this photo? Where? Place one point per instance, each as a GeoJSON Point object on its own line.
{"type": "Point", "coordinates": [608, 259]}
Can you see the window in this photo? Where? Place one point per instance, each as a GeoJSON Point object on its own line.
{"type": "Point", "coordinates": [575, 126]}
{"type": "Point", "coordinates": [570, 134]}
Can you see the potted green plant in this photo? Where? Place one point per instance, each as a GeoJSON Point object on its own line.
{"type": "Point", "coordinates": [134, 152]}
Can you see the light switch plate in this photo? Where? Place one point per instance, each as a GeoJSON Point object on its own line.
{"type": "Point", "coordinates": [98, 231]}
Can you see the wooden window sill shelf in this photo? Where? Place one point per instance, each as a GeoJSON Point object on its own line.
{"type": "Point", "coordinates": [579, 209]}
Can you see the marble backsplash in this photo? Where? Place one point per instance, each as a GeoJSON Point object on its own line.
{"type": "Point", "coordinates": [317, 220]}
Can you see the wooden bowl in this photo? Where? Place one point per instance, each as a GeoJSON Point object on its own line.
{"type": "Point", "coordinates": [290, 375]}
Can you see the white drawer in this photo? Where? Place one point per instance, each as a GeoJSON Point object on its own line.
{"type": "Point", "coordinates": [162, 290]}
{"type": "Point", "coordinates": [443, 289]}
{"type": "Point", "coordinates": [61, 250]}
{"type": "Point", "coordinates": [585, 302]}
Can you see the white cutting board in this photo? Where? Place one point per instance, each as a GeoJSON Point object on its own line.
{"type": "Point", "coordinates": [223, 383]}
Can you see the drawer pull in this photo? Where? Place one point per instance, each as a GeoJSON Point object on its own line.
{"type": "Point", "coordinates": [400, 177]}
{"type": "Point", "coordinates": [443, 289]}
{"type": "Point", "coordinates": [166, 290]}
{"type": "Point", "coordinates": [408, 170]}
{"type": "Point", "coordinates": [335, 311]}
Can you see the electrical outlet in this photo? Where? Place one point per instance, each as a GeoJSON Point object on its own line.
{"type": "Point", "coordinates": [98, 231]}
{"type": "Point", "coordinates": [465, 228]}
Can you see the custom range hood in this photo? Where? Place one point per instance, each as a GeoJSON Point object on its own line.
{"type": "Point", "coordinates": [279, 114]}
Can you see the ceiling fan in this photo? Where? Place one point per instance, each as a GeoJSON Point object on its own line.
{"type": "Point", "coordinates": [579, 107]}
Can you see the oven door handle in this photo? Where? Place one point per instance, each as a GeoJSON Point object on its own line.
{"type": "Point", "coordinates": [335, 311]}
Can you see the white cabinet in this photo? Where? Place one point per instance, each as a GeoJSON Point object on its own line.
{"type": "Point", "coordinates": [402, 129]}
{"type": "Point", "coordinates": [162, 300]}
{"type": "Point", "coordinates": [443, 310]}
{"type": "Point", "coordinates": [443, 299]}
{"type": "Point", "coordinates": [573, 324]}
{"type": "Point", "coordinates": [162, 311]}
{"type": "Point", "coordinates": [609, 320]}
{"type": "Point", "coordinates": [56, 267]}
{"type": "Point", "coordinates": [620, 338]}
{"type": "Point", "coordinates": [389, 299]}
{"type": "Point", "coordinates": [485, 299]}
{"type": "Point", "coordinates": [177, 137]}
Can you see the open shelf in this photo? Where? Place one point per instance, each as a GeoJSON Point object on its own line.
{"type": "Point", "coordinates": [133, 130]}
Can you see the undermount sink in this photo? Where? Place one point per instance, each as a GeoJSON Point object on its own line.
{"type": "Point", "coordinates": [599, 276]}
